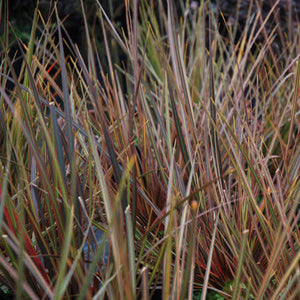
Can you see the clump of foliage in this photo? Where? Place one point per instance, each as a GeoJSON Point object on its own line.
{"type": "Point", "coordinates": [164, 159]}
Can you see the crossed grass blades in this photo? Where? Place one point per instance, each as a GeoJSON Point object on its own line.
{"type": "Point", "coordinates": [165, 157]}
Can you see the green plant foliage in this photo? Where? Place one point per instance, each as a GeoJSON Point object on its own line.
{"type": "Point", "coordinates": [157, 159]}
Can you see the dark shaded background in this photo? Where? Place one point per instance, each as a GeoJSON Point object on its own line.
{"type": "Point", "coordinates": [21, 12]}
{"type": "Point", "coordinates": [20, 15]}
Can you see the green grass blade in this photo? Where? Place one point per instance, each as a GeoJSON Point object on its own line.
{"type": "Point", "coordinates": [240, 265]}
{"type": "Point", "coordinates": [59, 286]}
{"type": "Point", "coordinates": [131, 254]}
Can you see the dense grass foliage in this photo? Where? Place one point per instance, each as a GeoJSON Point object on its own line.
{"type": "Point", "coordinates": [160, 162]}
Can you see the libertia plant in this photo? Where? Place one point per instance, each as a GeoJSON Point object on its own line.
{"type": "Point", "coordinates": [161, 159]}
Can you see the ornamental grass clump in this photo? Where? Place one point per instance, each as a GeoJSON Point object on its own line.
{"type": "Point", "coordinates": [160, 161]}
